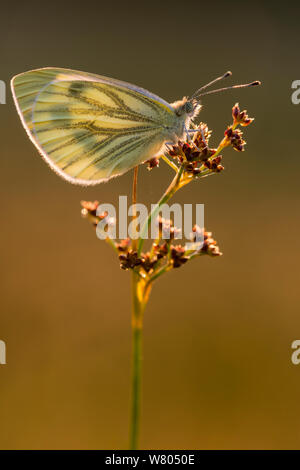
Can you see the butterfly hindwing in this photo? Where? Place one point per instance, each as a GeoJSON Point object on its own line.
{"type": "Point", "coordinates": [90, 128]}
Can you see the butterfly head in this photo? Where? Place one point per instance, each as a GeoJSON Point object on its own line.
{"type": "Point", "coordinates": [187, 108]}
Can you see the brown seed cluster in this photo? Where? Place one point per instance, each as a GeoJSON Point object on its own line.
{"type": "Point", "coordinates": [165, 251]}
{"type": "Point", "coordinates": [131, 260]}
{"type": "Point", "coordinates": [210, 246]}
{"type": "Point", "coordinates": [235, 138]}
{"type": "Point", "coordinates": [166, 229]}
{"type": "Point", "coordinates": [240, 117]}
{"type": "Point", "coordinates": [196, 155]}
{"type": "Point", "coordinates": [162, 251]}
{"type": "Point", "coordinates": [152, 163]}
{"type": "Point", "coordinates": [178, 257]}
{"type": "Point", "coordinates": [89, 207]}
{"type": "Point", "coordinates": [124, 245]}
{"type": "Point", "coordinates": [89, 211]}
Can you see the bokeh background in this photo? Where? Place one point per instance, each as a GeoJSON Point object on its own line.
{"type": "Point", "coordinates": [218, 332]}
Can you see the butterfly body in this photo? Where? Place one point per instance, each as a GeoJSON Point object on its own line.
{"type": "Point", "coordinates": [90, 128]}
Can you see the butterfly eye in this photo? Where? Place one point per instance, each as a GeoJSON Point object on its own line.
{"type": "Point", "coordinates": [189, 107]}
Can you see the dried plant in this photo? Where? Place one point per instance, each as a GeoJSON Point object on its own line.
{"type": "Point", "coordinates": [191, 160]}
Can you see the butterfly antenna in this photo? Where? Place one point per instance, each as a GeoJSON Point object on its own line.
{"type": "Point", "coordinates": [227, 74]}
{"type": "Point", "coordinates": [245, 85]}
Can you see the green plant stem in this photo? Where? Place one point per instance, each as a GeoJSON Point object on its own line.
{"type": "Point", "coordinates": [112, 244]}
{"type": "Point", "coordinates": [170, 162]}
{"type": "Point", "coordinates": [166, 196]}
{"type": "Point", "coordinates": [138, 306]}
{"type": "Point", "coordinates": [158, 273]}
{"type": "Point", "coordinates": [134, 198]}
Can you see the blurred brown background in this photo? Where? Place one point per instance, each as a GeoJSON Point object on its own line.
{"type": "Point", "coordinates": [218, 332]}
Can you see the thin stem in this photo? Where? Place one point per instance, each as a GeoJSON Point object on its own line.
{"type": "Point", "coordinates": [166, 196]}
{"type": "Point", "coordinates": [137, 328]}
{"type": "Point", "coordinates": [170, 162]}
{"type": "Point", "coordinates": [134, 198]}
{"type": "Point", "coordinates": [158, 273]}
{"type": "Point", "coordinates": [112, 244]}
{"type": "Point", "coordinates": [223, 144]}
{"type": "Point", "coordinates": [138, 306]}
{"type": "Point", "coordinates": [140, 293]}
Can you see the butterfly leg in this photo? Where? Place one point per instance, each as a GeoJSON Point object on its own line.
{"type": "Point", "coordinates": [169, 143]}
{"type": "Point", "coordinates": [188, 131]}
{"type": "Point", "coordinates": [203, 138]}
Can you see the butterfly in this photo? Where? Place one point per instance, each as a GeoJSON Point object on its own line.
{"type": "Point", "coordinates": [90, 128]}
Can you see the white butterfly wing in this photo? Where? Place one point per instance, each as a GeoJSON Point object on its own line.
{"type": "Point", "coordinates": [90, 128]}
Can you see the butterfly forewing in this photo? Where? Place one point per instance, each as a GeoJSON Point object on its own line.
{"type": "Point", "coordinates": [90, 128]}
